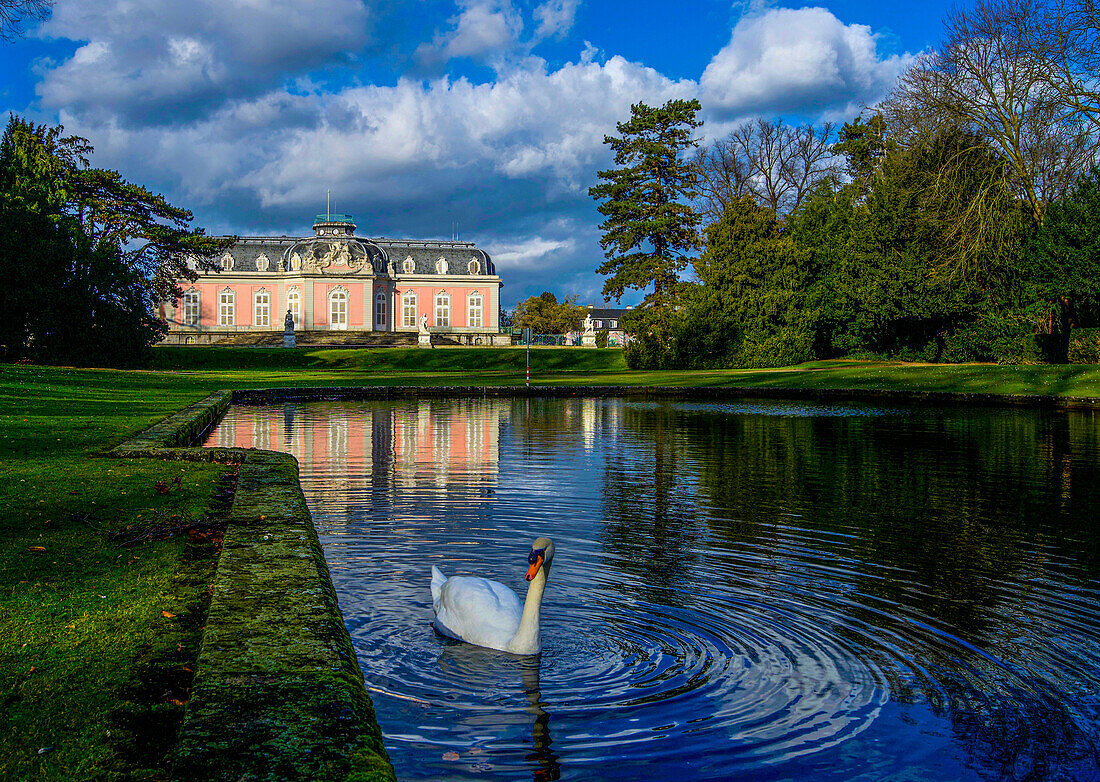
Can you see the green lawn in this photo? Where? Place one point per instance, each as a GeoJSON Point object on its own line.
{"type": "Point", "coordinates": [86, 653]}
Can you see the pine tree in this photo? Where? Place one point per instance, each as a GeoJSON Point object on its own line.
{"type": "Point", "coordinates": [651, 226]}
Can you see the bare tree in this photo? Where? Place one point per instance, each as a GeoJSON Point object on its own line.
{"type": "Point", "coordinates": [723, 177]}
{"type": "Point", "coordinates": [987, 79]}
{"type": "Point", "coordinates": [778, 164]}
{"type": "Point", "coordinates": [1065, 37]}
{"type": "Point", "coordinates": [14, 12]}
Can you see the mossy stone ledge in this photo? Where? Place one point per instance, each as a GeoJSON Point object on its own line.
{"type": "Point", "coordinates": [278, 693]}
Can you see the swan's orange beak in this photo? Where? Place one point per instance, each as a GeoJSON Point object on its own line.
{"type": "Point", "coordinates": [535, 565]}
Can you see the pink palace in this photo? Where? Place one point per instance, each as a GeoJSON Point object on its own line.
{"type": "Point", "coordinates": [335, 281]}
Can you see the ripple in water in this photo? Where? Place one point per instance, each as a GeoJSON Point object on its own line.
{"type": "Point", "coordinates": [747, 593]}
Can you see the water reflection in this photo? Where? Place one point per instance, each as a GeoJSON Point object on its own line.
{"type": "Point", "coordinates": [757, 589]}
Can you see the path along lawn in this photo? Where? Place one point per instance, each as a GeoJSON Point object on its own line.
{"type": "Point", "coordinates": [87, 652]}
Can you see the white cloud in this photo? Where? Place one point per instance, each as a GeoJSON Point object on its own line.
{"type": "Point", "coordinates": [797, 60]}
{"type": "Point", "coordinates": [528, 124]}
{"type": "Point", "coordinates": [212, 103]}
{"type": "Point", "coordinates": [484, 30]}
{"type": "Point", "coordinates": [150, 61]}
{"type": "Point", "coordinates": [530, 253]}
{"type": "Point", "coordinates": [555, 17]}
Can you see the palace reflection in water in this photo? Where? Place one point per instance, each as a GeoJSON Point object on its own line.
{"type": "Point", "coordinates": [744, 589]}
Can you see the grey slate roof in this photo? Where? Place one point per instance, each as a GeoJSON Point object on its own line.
{"type": "Point", "coordinates": [424, 253]}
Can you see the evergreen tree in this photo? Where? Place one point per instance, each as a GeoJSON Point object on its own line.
{"type": "Point", "coordinates": [650, 225]}
{"type": "Point", "coordinates": [1064, 271]}
{"type": "Point", "coordinates": [85, 254]}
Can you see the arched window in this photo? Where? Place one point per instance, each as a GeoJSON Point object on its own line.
{"type": "Point", "coordinates": [338, 309]}
{"type": "Point", "coordinates": [227, 308]}
{"type": "Point", "coordinates": [294, 304]}
{"type": "Point", "coordinates": [380, 310]}
{"type": "Point", "coordinates": [408, 309]}
{"type": "Point", "coordinates": [474, 266]}
{"type": "Point", "coordinates": [475, 310]}
{"type": "Point", "coordinates": [227, 262]}
{"type": "Point", "coordinates": [191, 307]}
{"type": "Point", "coordinates": [408, 266]}
{"type": "Point", "coordinates": [442, 309]}
{"type": "Point", "coordinates": [262, 263]}
{"type": "Point", "coordinates": [441, 265]}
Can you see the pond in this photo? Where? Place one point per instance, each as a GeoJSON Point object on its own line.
{"type": "Point", "coordinates": [760, 590]}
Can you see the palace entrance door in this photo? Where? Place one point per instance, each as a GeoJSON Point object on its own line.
{"type": "Point", "coordinates": [338, 310]}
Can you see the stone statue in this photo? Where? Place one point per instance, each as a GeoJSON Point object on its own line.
{"type": "Point", "coordinates": [289, 340]}
{"type": "Point", "coordinates": [391, 269]}
{"type": "Point", "coordinates": [588, 338]}
{"type": "Point", "coordinates": [424, 338]}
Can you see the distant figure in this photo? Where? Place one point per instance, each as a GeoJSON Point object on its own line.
{"type": "Point", "coordinates": [288, 322]}
{"type": "Point", "coordinates": [424, 324]}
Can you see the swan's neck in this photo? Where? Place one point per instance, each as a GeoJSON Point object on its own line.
{"type": "Point", "coordinates": [526, 639]}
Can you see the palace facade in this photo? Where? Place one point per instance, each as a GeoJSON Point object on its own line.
{"type": "Point", "coordinates": [337, 281]}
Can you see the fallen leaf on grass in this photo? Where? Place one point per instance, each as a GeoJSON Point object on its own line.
{"type": "Point", "coordinates": [168, 614]}
{"type": "Point", "coordinates": [44, 750]}
{"type": "Point", "coordinates": [177, 702]}
{"type": "Point", "coordinates": [36, 548]}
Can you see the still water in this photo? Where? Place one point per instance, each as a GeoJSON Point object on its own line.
{"type": "Point", "coordinates": [759, 590]}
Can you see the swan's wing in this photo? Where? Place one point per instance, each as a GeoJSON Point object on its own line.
{"type": "Point", "coordinates": [478, 610]}
{"type": "Point", "coordinates": [438, 580]}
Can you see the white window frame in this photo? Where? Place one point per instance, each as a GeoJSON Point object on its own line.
{"type": "Point", "coordinates": [191, 307]}
{"type": "Point", "coordinates": [261, 308]}
{"type": "Point", "coordinates": [227, 263]}
{"type": "Point", "coordinates": [294, 304]}
{"type": "Point", "coordinates": [408, 309]}
{"type": "Point", "coordinates": [475, 310]}
{"type": "Point", "coordinates": [227, 307]}
{"type": "Point", "coordinates": [335, 295]}
{"type": "Point", "coordinates": [380, 309]}
{"type": "Point", "coordinates": [442, 310]}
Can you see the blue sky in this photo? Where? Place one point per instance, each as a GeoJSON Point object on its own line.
{"type": "Point", "coordinates": [421, 113]}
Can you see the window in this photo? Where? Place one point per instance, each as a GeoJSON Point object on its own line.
{"type": "Point", "coordinates": [442, 309]}
{"type": "Point", "coordinates": [191, 307]}
{"type": "Point", "coordinates": [338, 309]}
{"type": "Point", "coordinates": [227, 262]}
{"type": "Point", "coordinates": [408, 309]}
{"type": "Point", "coordinates": [294, 304]}
{"type": "Point", "coordinates": [441, 265]}
{"type": "Point", "coordinates": [474, 316]}
{"type": "Point", "coordinates": [380, 310]}
{"type": "Point", "coordinates": [227, 308]}
{"type": "Point", "coordinates": [474, 266]}
{"type": "Point", "coordinates": [261, 308]}
{"type": "Point", "coordinates": [262, 263]}
{"type": "Point", "coordinates": [408, 266]}
{"type": "Point", "coordinates": [614, 324]}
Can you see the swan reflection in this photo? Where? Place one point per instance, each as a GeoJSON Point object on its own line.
{"type": "Point", "coordinates": [498, 675]}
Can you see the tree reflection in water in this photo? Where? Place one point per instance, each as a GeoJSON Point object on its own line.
{"type": "Point", "coordinates": [821, 592]}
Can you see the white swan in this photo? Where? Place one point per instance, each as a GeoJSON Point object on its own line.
{"type": "Point", "coordinates": [487, 613]}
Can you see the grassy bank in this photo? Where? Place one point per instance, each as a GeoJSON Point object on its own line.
{"type": "Point", "coordinates": [97, 624]}
{"type": "Point", "coordinates": [83, 630]}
